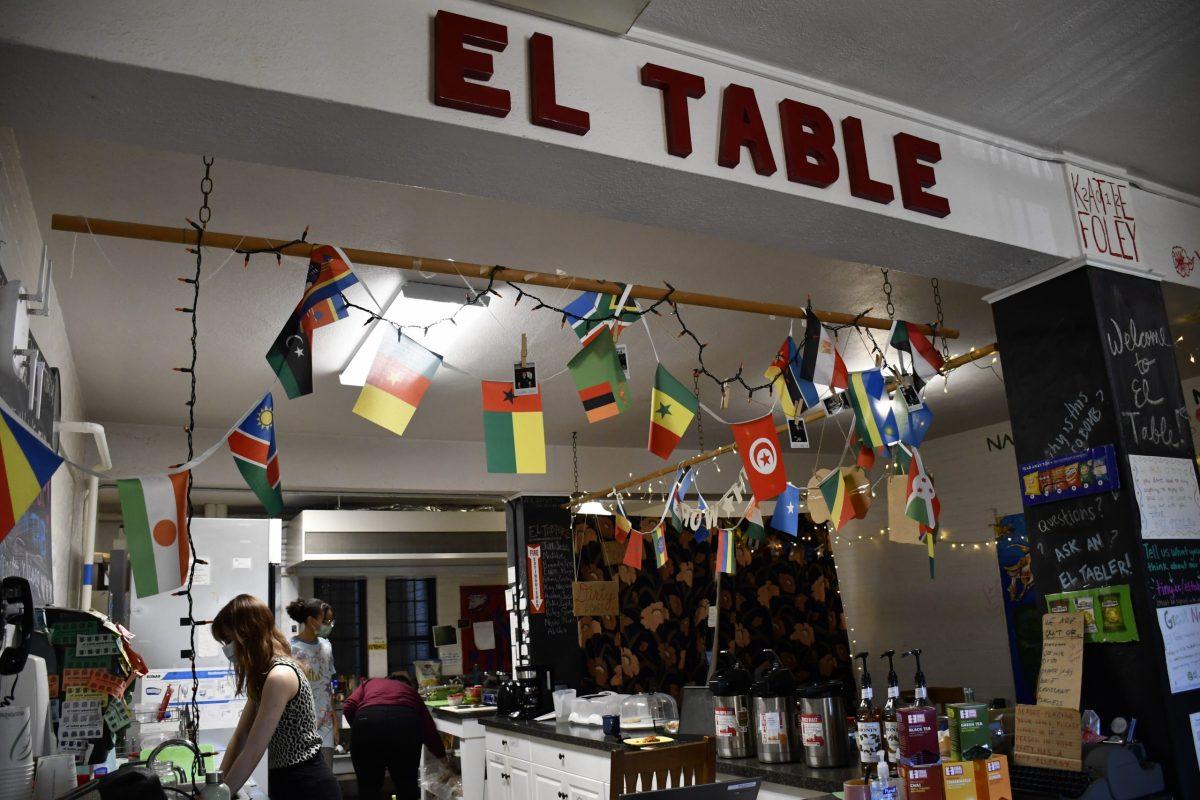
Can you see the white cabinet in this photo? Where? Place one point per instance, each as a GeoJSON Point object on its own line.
{"type": "Point", "coordinates": [580, 788]}
{"type": "Point", "coordinates": [520, 769]}
{"type": "Point", "coordinates": [547, 784]}
{"type": "Point", "coordinates": [553, 784]}
{"type": "Point", "coordinates": [520, 784]}
{"type": "Point", "coordinates": [508, 778]}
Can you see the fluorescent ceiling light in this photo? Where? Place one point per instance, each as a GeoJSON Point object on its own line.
{"type": "Point", "coordinates": [594, 507]}
{"type": "Point", "coordinates": [416, 304]}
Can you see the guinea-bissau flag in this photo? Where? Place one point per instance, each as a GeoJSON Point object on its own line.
{"type": "Point", "coordinates": [26, 466]}
{"type": "Point", "coordinates": [837, 498]}
{"type": "Point", "coordinates": [926, 360]}
{"type": "Point", "coordinates": [597, 373]}
{"type": "Point", "coordinates": [252, 445]}
{"type": "Point", "coordinates": [400, 374]}
{"type": "Point", "coordinates": [672, 409]}
{"type": "Point", "coordinates": [154, 510]}
{"type": "Point", "coordinates": [513, 430]}
{"type": "Point", "coordinates": [290, 356]}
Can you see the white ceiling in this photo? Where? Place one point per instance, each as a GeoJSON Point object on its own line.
{"type": "Point", "coordinates": [1112, 80]}
{"type": "Point", "coordinates": [117, 295]}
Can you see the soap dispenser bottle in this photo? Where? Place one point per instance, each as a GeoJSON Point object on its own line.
{"type": "Point", "coordinates": [891, 731]}
{"type": "Point", "coordinates": [920, 689]}
{"type": "Point", "coordinates": [883, 786]}
{"type": "Point", "coordinates": [868, 734]}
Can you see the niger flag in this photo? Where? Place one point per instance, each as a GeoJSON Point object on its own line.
{"type": "Point", "coordinates": [513, 430]}
{"type": "Point", "coordinates": [672, 409]}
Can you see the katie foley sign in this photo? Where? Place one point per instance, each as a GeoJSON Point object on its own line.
{"type": "Point", "coordinates": [816, 149]}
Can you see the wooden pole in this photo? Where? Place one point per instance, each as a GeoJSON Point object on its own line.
{"type": "Point", "coordinates": [375, 258]}
{"type": "Point", "coordinates": [812, 415]}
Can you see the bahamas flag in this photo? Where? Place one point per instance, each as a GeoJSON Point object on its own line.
{"type": "Point", "coordinates": [512, 430]}
{"type": "Point", "coordinates": [26, 465]}
{"type": "Point", "coordinates": [725, 547]}
{"type": "Point", "coordinates": [252, 445]}
{"type": "Point", "coordinates": [873, 417]}
{"type": "Point", "coordinates": [400, 374]}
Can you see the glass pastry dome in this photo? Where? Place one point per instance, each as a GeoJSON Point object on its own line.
{"type": "Point", "coordinates": [650, 711]}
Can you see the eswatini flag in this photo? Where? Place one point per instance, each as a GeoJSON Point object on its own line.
{"type": "Point", "coordinates": [252, 445]}
{"type": "Point", "coordinates": [926, 360]}
{"type": "Point", "coordinates": [26, 465]}
{"type": "Point", "coordinates": [154, 510]}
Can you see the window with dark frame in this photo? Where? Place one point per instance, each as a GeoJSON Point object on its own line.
{"type": "Point", "coordinates": [411, 615]}
{"type": "Point", "coordinates": [348, 597]}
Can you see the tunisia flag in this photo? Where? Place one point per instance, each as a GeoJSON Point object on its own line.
{"type": "Point", "coordinates": [759, 448]}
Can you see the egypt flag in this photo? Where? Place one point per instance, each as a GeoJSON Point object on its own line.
{"type": "Point", "coordinates": [922, 504]}
{"type": "Point", "coordinates": [252, 444]}
{"type": "Point", "coordinates": [26, 465]}
{"type": "Point", "coordinates": [658, 538]}
{"type": "Point", "coordinates": [926, 360]}
{"type": "Point", "coordinates": [154, 510]}
{"type": "Point", "coordinates": [672, 409]}
{"type": "Point", "coordinates": [597, 373]}
{"type": "Point", "coordinates": [821, 363]}
{"type": "Point", "coordinates": [400, 374]}
{"type": "Point", "coordinates": [837, 498]}
{"type": "Point", "coordinates": [795, 393]}
{"type": "Point", "coordinates": [725, 547]}
{"type": "Point", "coordinates": [512, 430]}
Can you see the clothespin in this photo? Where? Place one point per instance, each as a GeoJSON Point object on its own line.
{"type": "Point", "coordinates": [724, 396]}
{"type": "Point", "coordinates": [524, 350]}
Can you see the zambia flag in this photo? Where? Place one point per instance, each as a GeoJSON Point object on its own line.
{"type": "Point", "coordinates": [26, 465]}
{"type": "Point", "coordinates": [512, 430]}
{"type": "Point", "coordinates": [252, 445]}
{"type": "Point", "coordinates": [672, 409]}
{"type": "Point", "coordinates": [597, 373]}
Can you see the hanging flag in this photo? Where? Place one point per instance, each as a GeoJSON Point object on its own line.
{"type": "Point", "coordinates": [252, 445]}
{"type": "Point", "coordinates": [400, 374]}
{"type": "Point", "coordinates": [923, 504]}
{"type": "Point", "coordinates": [672, 409]}
{"type": "Point", "coordinates": [837, 498]}
{"type": "Point", "coordinates": [513, 433]}
{"type": "Point", "coordinates": [679, 491]}
{"type": "Point", "coordinates": [702, 533]}
{"type": "Point", "coordinates": [751, 523]}
{"type": "Point", "coordinates": [26, 466]}
{"type": "Point", "coordinates": [758, 446]}
{"type": "Point", "coordinates": [622, 527]}
{"type": "Point", "coordinates": [154, 510]}
{"type": "Point", "coordinates": [926, 360]}
{"type": "Point", "coordinates": [821, 363]}
{"type": "Point", "coordinates": [633, 550]}
{"type": "Point", "coordinates": [597, 373]}
{"type": "Point", "coordinates": [912, 424]}
{"type": "Point", "coordinates": [593, 312]}
{"type": "Point", "coordinates": [873, 418]}
{"type": "Point", "coordinates": [786, 517]}
{"type": "Point", "coordinates": [795, 393]}
{"type": "Point", "coordinates": [290, 355]}
{"type": "Point", "coordinates": [658, 538]}
{"type": "Point", "coordinates": [725, 551]}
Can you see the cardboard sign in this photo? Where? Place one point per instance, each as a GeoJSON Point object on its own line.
{"type": "Point", "coordinates": [901, 527]}
{"type": "Point", "coordinates": [1048, 737]}
{"type": "Point", "coordinates": [818, 510]}
{"type": "Point", "coordinates": [595, 598]}
{"type": "Point", "coordinates": [1062, 660]}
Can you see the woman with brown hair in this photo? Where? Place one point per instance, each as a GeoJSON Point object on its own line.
{"type": "Point", "coordinates": [279, 717]}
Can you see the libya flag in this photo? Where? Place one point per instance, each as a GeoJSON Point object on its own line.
{"type": "Point", "coordinates": [596, 370]}
{"type": "Point", "coordinates": [290, 358]}
{"type": "Point", "coordinates": [154, 510]}
{"type": "Point", "coordinates": [672, 409]}
{"type": "Point", "coordinates": [513, 430]}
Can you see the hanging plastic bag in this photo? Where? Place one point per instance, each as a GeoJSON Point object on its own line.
{"type": "Point", "coordinates": [437, 779]}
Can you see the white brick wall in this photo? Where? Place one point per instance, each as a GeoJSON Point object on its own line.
{"type": "Point", "coordinates": [22, 255]}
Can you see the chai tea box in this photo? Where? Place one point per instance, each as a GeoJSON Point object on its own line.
{"type": "Point", "coordinates": [921, 782]}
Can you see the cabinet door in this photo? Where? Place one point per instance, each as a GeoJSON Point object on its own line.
{"type": "Point", "coordinates": [520, 785]}
{"type": "Point", "coordinates": [578, 788]}
{"type": "Point", "coordinates": [547, 783]}
{"type": "Point", "coordinates": [497, 777]}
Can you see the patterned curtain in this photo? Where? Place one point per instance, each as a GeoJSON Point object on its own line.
{"type": "Point", "coordinates": [784, 596]}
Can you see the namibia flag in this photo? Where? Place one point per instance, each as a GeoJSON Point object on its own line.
{"type": "Point", "coordinates": [672, 409]}
{"type": "Point", "coordinates": [513, 430]}
{"type": "Point", "coordinates": [252, 445]}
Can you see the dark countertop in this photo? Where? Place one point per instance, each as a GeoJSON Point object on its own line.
{"type": "Point", "coordinates": [796, 775]}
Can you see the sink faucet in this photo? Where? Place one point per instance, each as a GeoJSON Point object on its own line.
{"type": "Point", "coordinates": [177, 742]}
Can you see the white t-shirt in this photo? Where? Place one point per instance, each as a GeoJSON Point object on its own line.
{"type": "Point", "coordinates": [316, 660]}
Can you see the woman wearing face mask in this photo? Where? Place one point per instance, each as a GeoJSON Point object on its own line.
{"type": "Point", "coordinates": [278, 718]}
{"type": "Point", "coordinates": [311, 649]}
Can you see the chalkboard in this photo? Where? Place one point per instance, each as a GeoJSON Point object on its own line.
{"type": "Point", "coordinates": [558, 575]}
{"type": "Point", "coordinates": [1172, 567]}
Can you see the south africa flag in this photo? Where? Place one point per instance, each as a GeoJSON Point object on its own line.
{"type": "Point", "coordinates": [252, 444]}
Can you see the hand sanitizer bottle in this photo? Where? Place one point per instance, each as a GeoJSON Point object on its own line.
{"type": "Point", "coordinates": [884, 787]}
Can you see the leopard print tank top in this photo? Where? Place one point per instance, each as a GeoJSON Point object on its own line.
{"type": "Point", "coordinates": [295, 739]}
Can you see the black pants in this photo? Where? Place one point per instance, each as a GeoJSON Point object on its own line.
{"type": "Point", "coordinates": [386, 737]}
{"type": "Point", "coordinates": [308, 780]}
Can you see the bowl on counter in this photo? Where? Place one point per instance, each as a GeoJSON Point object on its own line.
{"type": "Point", "coordinates": [454, 700]}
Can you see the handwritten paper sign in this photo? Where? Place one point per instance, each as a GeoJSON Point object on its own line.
{"type": "Point", "coordinates": [1180, 628]}
{"type": "Point", "coordinates": [1174, 571]}
{"type": "Point", "coordinates": [1104, 218]}
{"type": "Point", "coordinates": [1062, 660]}
{"type": "Point", "coordinates": [595, 598]}
{"type": "Point", "coordinates": [1168, 497]}
{"type": "Point", "coordinates": [1048, 737]}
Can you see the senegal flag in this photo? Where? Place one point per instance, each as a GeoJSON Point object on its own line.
{"type": "Point", "coordinates": [597, 373]}
{"type": "Point", "coordinates": [837, 498]}
{"type": "Point", "coordinates": [672, 409]}
{"type": "Point", "coordinates": [154, 510]}
{"type": "Point", "coordinates": [512, 430]}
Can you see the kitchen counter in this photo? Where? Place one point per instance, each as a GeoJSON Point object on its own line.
{"type": "Point", "coordinates": [796, 775]}
{"type": "Point", "coordinates": [588, 736]}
